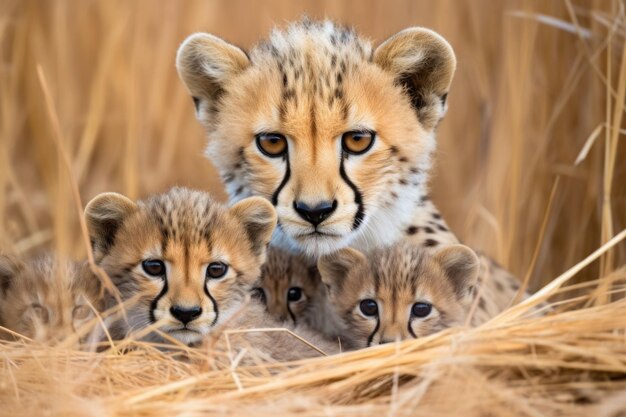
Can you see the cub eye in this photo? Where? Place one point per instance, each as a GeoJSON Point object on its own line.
{"type": "Point", "coordinates": [81, 312]}
{"type": "Point", "coordinates": [40, 311]}
{"type": "Point", "coordinates": [153, 267]}
{"type": "Point", "coordinates": [294, 294]}
{"type": "Point", "coordinates": [369, 307]}
{"type": "Point", "coordinates": [357, 142]}
{"type": "Point", "coordinates": [271, 144]}
{"type": "Point", "coordinates": [259, 294]}
{"type": "Point", "coordinates": [421, 309]}
{"type": "Point", "coordinates": [216, 270]}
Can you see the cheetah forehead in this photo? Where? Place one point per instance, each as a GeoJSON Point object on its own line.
{"type": "Point", "coordinates": [324, 43]}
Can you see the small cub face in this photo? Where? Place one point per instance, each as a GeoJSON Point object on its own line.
{"type": "Point", "coordinates": [289, 286]}
{"type": "Point", "coordinates": [47, 298]}
{"type": "Point", "coordinates": [183, 261]}
{"type": "Point", "coordinates": [400, 292]}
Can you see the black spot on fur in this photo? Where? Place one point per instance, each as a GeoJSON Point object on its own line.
{"type": "Point", "coordinates": [428, 230]}
{"type": "Point", "coordinates": [436, 216]}
{"type": "Point", "coordinates": [411, 230]}
{"type": "Point", "coordinates": [403, 181]}
{"type": "Point", "coordinates": [393, 150]}
{"type": "Point", "coordinates": [403, 159]}
{"type": "Point", "coordinates": [442, 228]}
{"type": "Point", "coordinates": [430, 243]}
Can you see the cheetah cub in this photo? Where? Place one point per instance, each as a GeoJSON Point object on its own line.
{"type": "Point", "coordinates": [183, 262]}
{"type": "Point", "coordinates": [185, 266]}
{"type": "Point", "coordinates": [400, 292]}
{"type": "Point", "coordinates": [291, 288]}
{"type": "Point", "coordinates": [47, 298]}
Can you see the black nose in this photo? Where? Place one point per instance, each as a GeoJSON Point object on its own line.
{"type": "Point", "coordinates": [185, 314]}
{"type": "Point", "coordinates": [315, 215]}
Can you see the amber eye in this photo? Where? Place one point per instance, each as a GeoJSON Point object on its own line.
{"type": "Point", "coordinates": [357, 142]}
{"type": "Point", "coordinates": [294, 294]}
{"type": "Point", "coordinates": [216, 270]}
{"type": "Point", "coordinates": [369, 307]}
{"type": "Point", "coordinates": [40, 311]}
{"type": "Point", "coordinates": [154, 267]}
{"type": "Point", "coordinates": [81, 312]}
{"type": "Point", "coordinates": [421, 309]}
{"type": "Point", "coordinates": [271, 144]}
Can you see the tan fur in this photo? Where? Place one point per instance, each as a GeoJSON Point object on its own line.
{"type": "Point", "coordinates": [188, 231]}
{"type": "Point", "coordinates": [312, 83]}
{"type": "Point", "coordinates": [396, 278]}
{"type": "Point", "coordinates": [263, 345]}
{"type": "Point", "coordinates": [47, 298]}
{"type": "Point", "coordinates": [283, 271]}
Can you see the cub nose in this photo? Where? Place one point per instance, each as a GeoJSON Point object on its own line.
{"type": "Point", "coordinates": [185, 314]}
{"type": "Point", "coordinates": [317, 214]}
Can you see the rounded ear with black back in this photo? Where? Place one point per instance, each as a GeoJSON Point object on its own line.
{"type": "Point", "coordinates": [461, 266]}
{"type": "Point", "coordinates": [422, 62]}
{"type": "Point", "coordinates": [334, 268]}
{"type": "Point", "coordinates": [10, 267]}
{"type": "Point", "coordinates": [104, 214]}
{"type": "Point", "coordinates": [259, 219]}
{"type": "Point", "coordinates": [205, 63]}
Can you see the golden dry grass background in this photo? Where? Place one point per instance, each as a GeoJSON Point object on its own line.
{"type": "Point", "coordinates": [536, 81]}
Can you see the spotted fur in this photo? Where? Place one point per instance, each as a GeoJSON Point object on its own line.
{"type": "Point", "coordinates": [285, 275]}
{"type": "Point", "coordinates": [396, 279]}
{"type": "Point", "coordinates": [48, 298]}
{"type": "Point", "coordinates": [188, 231]}
{"type": "Point", "coordinates": [312, 83]}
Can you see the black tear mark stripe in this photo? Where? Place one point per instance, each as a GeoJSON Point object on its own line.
{"type": "Point", "coordinates": [371, 337]}
{"type": "Point", "coordinates": [208, 294]}
{"type": "Point", "coordinates": [411, 332]}
{"type": "Point", "coordinates": [358, 198]}
{"type": "Point", "coordinates": [293, 316]}
{"type": "Point", "coordinates": [153, 304]}
{"type": "Point", "coordinates": [283, 182]}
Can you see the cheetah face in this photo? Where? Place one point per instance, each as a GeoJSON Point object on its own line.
{"type": "Point", "coordinates": [47, 299]}
{"type": "Point", "coordinates": [182, 262]}
{"type": "Point", "coordinates": [289, 286]}
{"type": "Point", "coordinates": [335, 135]}
{"type": "Point", "coordinates": [400, 292]}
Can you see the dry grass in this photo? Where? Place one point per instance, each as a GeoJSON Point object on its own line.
{"type": "Point", "coordinates": [530, 169]}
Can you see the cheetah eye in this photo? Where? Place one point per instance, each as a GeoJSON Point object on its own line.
{"type": "Point", "coordinates": [357, 142]}
{"type": "Point", "coordinates": [421, 309]}
{"type": "Point", "coordinates": [259, 294]}
{"type": "Point", "coordinates": [154, 267]}
{"type": "Point", "coordinates": [294, 294]}
{"type": "Point", "coordinates": [81, 312]}
{"type": "Point", "coordinates": [271, 144]}
{"type": "Point", "coordinates": [369, 307]}
{"type": "Point", "coordinates": [40, 311]}
{"type": "Point", "coordinates": [216, 270]}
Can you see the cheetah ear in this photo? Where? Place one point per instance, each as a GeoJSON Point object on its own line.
{"type": "Point", "coordinates": [335, 267]}
{"type": "Point", "coordinates": [10, 266]}
{"type": "Point", "coordinates": [104, 214]}
{"type": "Point", "coordinates": [205, 62]}
{"type": "Point", "coordinates": [259, 219]}
{"type": "Point", "coordinates": [461, 266]}
{"type": "Point", "coordinates": [422, 62]}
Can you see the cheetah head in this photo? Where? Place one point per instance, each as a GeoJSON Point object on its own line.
{"type": "Point", "coordinates": [336, 134]}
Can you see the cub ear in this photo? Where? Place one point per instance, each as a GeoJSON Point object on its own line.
{"type": "Point", "coordinates": [259, 219]}
{"type": "Point", "coordinates": [334, 268]}
{"type": "Point", "coordinates": [461, 266]}
{"type": "Point", "coordinates": [205, 62]}
{"type": "Point", "coordinates": [422, 62]}
{"type": "Point", "coordinates": [104, 214]}
{"type": "Point", "coordinates": [10, 266]}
